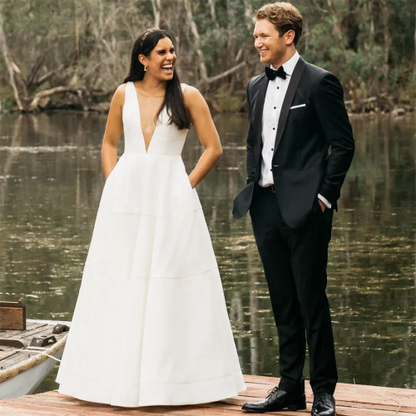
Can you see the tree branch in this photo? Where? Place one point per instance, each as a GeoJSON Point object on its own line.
{"type": "Point", "coordinates": [34, 105]}
{"type": "Point", "coordinates": [224, 74]}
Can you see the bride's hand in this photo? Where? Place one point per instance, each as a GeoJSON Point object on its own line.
{"type": "Point", "coordinates": [206, 132]}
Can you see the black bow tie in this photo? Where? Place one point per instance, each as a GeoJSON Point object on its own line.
{"type": "Point", "coordinates": [272, 73]}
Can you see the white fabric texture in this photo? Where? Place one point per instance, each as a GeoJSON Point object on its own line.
{"type": "Point", "coordinates": [150, 325]}
{"type": "Point", "coordinates": [275, 94]}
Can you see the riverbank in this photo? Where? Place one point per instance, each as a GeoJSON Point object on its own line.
{"type": "Point", "coordinates": [373, 106]}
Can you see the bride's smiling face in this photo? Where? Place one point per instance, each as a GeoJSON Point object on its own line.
{"type": "Point", "coordinates": [160, 64]}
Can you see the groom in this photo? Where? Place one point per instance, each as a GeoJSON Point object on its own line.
{"type": "Point", "coordinates": [299, 148]}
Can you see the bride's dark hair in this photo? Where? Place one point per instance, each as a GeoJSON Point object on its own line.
{"type": "Point", "coordinates": [175, 105]}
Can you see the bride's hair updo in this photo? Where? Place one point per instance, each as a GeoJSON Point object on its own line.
{"type": "Point", "coordinates": [175, 105]}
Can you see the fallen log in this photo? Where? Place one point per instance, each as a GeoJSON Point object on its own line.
{"type": "Point", "coordinates": [40, 97]}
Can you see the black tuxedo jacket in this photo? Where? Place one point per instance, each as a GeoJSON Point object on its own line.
{"type": "Point", "coordinates": [314, 143]}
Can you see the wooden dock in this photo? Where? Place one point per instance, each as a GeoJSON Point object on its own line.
{"type": "Point", "coordinates": [352, 400]}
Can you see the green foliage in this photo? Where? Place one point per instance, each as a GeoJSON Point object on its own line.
{"type": "Point", "coordinates": [369, 45]}
{"type": "Point", "coordinates": [226, 103]}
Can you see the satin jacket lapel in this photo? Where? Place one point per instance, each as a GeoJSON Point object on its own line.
{"type": "Point", "coordinates": [287, 102]}
{"type": "Point", "coordinates": [258, 120]}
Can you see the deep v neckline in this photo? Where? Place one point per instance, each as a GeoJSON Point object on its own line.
{"type": "Point", "coordinates": [146, 149]}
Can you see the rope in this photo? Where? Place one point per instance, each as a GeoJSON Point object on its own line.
{"type": "Point", "coordinates": [41, 352]}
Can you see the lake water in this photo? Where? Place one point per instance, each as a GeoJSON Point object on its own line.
{"type": "Point", "coordinates": [50, 186]}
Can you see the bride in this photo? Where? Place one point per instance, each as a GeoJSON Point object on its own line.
{"type": "Point", "coordinates": [150, 325]}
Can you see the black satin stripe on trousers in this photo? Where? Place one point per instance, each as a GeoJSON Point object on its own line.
{"type": "Point", "coordinates": [294, 261]}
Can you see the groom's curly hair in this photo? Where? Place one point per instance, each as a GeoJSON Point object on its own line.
{"type": "Point", "coordinates": [285, 16]}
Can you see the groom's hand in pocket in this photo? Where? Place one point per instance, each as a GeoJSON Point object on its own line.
{"type": "Point", "coordinates": [322, 205]}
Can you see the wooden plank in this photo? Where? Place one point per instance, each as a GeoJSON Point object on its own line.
{"type": "Point", "coordinates": [384, 398]}
{"type": "Point", "coordinates": [34, 329]}
{"type": "Point", "coordinates": [352, 400]}
{"type": "Point", "coordinates": [352, 409]}
{"type": "Point", "coordinates": [12, 411]}
{"type": "Point", "coordinates": [11, 333]}
{"type": "Point", "coordinates": [67, 410]}
{"type": "Point", "coordinates": [6, 354]}
{"type": "Point", "coordinates": [347, 411]}
{"type": "Point", "coordinates": [41, 330]}
{"type": "Point", "coordinates": [106, 410]}
{"type": "Point", "coordinates": [68, 403]}
{"type": "Point", "coordinates": [371, 397]}
{"type": "Point", "coordinates": [29, 332]}
{"type": "Point", "coordinates": [17, 358]}
{"type": "Point", "coordinates": [90, 409]}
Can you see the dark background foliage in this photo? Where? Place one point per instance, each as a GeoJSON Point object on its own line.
{"type": "Point", "coordinates": [78, 51]}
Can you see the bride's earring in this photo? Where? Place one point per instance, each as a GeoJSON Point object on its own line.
{"type": "Point", "coordinates": [145, 68]}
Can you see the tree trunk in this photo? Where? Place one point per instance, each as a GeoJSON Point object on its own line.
{"type": "Point", "coordinates": [212, 10]}
{"type": "Point", "coordinates": [156, 11]}
{"type": "Point", "coordinates": [9, 64]}
{"type": "Point", "coordinates": [337, 27]}
{"type": "Point", "coordinates": [387, 44]}
{"type": "Point", "coordinates": [306, 33]}
{"type": "Point", "coordinates": [414, 43]}
{"type": "Point", "coordinates": [350, 24]}
{"type": "Point", "coordinates": [195, 33]}
{"type": "Point", "coordinates": [248, 14]}
{"type": "Point", "coordinates": [372, 31]}
{"type": "Point", "coordinates": [76, 29]}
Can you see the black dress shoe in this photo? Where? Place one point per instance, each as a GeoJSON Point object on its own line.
{"type": "Point", "coordinates": [323, 405]}
{"type": "Point", "coordinates": [277, 400]}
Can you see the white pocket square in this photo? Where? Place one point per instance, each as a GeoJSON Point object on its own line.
{"type": "Point", "coordinates": [297, 106]}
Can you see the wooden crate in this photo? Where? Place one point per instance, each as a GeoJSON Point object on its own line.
{"type": "Point", "coordinates": [13, 315]}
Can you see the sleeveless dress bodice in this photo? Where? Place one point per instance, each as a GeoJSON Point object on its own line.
{"type": "Point", "coordinates": [167, 139]}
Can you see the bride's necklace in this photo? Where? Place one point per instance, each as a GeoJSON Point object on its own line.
{"type": "Point", "coordinates": [150, 96]}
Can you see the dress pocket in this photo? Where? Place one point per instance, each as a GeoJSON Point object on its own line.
{"type": "Point", "coordinates": [189, 182]}
{"type": "Point", "coordinates": [114, 170]}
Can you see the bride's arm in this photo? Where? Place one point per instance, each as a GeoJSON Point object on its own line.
{"type": "Point", "coordinates": [113, 131]}
{"type": "Point", "coordinates": [206, 131]}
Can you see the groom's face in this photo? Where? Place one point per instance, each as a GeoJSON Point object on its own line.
{"type": "Point", "coordinates": [267, 41]}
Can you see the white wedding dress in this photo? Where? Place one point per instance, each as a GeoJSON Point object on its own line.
{"type": "Point", "coordinates": [150, 325]}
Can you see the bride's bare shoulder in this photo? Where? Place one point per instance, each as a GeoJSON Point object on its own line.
{"type": "Point", "coordinates": [119, 94]}
{"type": "Point", "coordinates": [121, 90]}
{"type": "Point", "coordinates": [192, 96]}
{"type": "Point", "coordinates": [190, 92]}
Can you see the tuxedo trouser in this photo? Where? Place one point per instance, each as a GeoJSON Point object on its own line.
{"type": "Point", "coordinates": [294, 261]}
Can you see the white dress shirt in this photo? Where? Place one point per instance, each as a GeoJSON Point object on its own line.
{"type": "Point", "coordinates": [275, 94]}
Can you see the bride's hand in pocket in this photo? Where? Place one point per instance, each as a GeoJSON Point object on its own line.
{"type": "Point", "coordinates": [206, 132]}
{"type": "Point", "coordinates": [191, 181]}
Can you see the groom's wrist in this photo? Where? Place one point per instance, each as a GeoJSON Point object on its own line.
{"type": "Point", "coordinates": [325, 201]}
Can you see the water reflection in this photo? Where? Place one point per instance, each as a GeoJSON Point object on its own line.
{"type": "Point", "coordinates": [51, 182]}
